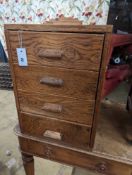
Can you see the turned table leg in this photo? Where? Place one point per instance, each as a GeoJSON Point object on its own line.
{"type": "Point", "coordinates": [28, 163]}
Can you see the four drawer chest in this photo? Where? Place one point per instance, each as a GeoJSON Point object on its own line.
{"type": "Point", "coordinates": [57, 85]}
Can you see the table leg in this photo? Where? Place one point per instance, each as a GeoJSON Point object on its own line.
{"type": "Point", "coordinates": [28, 163]}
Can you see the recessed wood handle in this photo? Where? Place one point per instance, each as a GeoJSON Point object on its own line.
{"type": "Point", "coordinates": [53, 135]}
{"type": "Point", "coordinates": [51, 107]}
{"type": "Point", "coordinates": [52, 81]}
{"type": "Point", "coordinates": [50, 53]}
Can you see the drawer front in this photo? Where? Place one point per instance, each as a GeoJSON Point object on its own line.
{"type": "Point", "coordinates": [69, 109]}
{"type": "Point", "coordinates": [98, 162]}
{"type": "Point", "coordinates": [62, 82]}
{"type": "Point", "coordinates": [56, 130]}
{"type": "Point", "coordinates": [69, 50]}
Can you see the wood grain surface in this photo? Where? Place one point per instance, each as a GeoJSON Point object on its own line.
{"type": "Point", "coordinates": [61, 28]}
{"type": "Point", "coordinates": [70, 50]}
{"type": "Point", "coordinates": [73, 134]}
{"type": "Point", "coordinates": [101, 80]}
{"type": "Point", "coordinates": [96, 162]}
{"type": "Point", "coordinates": [65, 75]}
{"type": "Point", "coordinates": [75, 110]}
{"type": "Point", "coordinates": [28, 163]}
{"type": "Point", "coordinates": [77, 84]}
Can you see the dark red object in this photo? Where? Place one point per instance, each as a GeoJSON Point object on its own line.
{"type": "Point", "coordinates": [117, 73]}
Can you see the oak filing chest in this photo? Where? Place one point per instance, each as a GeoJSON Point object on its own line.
{"type": "Point", "coordinates": [58, 91]}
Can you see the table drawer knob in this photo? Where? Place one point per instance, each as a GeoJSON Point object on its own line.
{"type": "Point", "coordinates": [101, 167]}
{"type": "Point", "coordinates": [51, 107]}
{"type": "Point", "coordinates": [50, 53]}
{"type": "Point", "coordinates": [53, 135]}
{"type": "Point", "coordinates": [52, 81]}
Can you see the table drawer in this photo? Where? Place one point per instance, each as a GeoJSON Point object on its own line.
{"type": "Point", "coordinates": [102, 164]}
{"type": "Point", "coordinates": [56, 130]}
{"type": "Point", "coordinates": [69, 50]}
{"type": "Point", "coordinates": [57, 81]}
{"type": "Point", "coordinates": [70, 109]}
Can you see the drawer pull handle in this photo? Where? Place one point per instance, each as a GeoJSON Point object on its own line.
{"type": "Point", "coordinates": [52, 81]}
{"type": "Point", "coordinates": [50, 54]}
{"type": "Point", "coordinates": [51, 107]}
{"type": "Point", "coordinates": [53, 135]}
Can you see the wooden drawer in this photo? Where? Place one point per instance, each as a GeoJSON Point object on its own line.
{"type": "Point", "coordinates": [56, 130]}
{"type": "Point", "coordinates": [58, 81]}
{"type": "Point", "coordinates": [69, 109]}
{"type": "Point", "coordinates": [101, 163]}
{"type": "Point", "coordinates": [69, 50]}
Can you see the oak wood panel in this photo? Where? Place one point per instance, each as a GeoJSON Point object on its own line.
{"type": "Point", "coordinates": [98, 162]}
{"type": "Point", "coordinates": [76, 84]}
{"type": "Point", "coordinates": [71, 133]}
{"type": "Point", "coordinates": [64, 21]}
{"type": "Point", "coordinates": [100, 86]}
{"type": "Point", "coordinates": [79, 51]}
{"type": "Point", "coordinates": [75, 110]}
{"type": "Point", "coordinates": [60, 28]}
{"type": "Point", "coordinates": [56, 60]}
{"type": "Point", "coordinates": [12, 70]}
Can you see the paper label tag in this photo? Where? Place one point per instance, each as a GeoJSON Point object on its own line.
{"type": "Point", "coordinates": [22, 57]}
